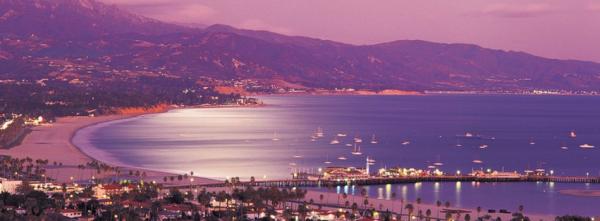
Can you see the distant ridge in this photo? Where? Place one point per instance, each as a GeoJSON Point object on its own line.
{"type": "Point", "coordinates": [108, 36]}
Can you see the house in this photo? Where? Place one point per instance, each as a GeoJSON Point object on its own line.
{"type": "Point", "coordinates": [71, 213]}
{"type": "Point", "coordinates": [108, 190]}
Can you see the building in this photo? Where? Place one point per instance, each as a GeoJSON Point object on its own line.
{"type": "Point", "coordinates": [343, 173]}
{"type": "Point", "coordinates": [9, 186]}
{"type": "Point", "coordinates": [108, 190]}
{"type": "Point", "coordinates": [71, 213]}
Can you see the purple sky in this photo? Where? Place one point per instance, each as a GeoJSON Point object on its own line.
{"type": "Point", "coordinates": [551, 28]}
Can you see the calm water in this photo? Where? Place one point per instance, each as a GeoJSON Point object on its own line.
{"type": "Point", "coordinates": [238, 141]}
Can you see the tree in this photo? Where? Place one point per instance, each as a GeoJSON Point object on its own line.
{"type": "Point", "coordinates": [468, 217]}
{"type": "Point", "coordinates": [410, 208]}
{"type": "Point", "coordinates": [521, 208]}
{"type": "Point", "coordinates": [438, 204]}
{"type": "Point", "coordinates": [478, 211]}
{"type": "Point", "coordinates": [428, 213]}
{"type": "Point", "coordinates": [175, 196]}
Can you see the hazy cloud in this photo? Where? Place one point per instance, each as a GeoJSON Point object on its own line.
{"type": "Point", "coordinates": [517, 10]}
{"type": "Point", "coordinates": [182, 11]}
{"type": "Point", "coordinates": [594, 6]}
{"type": "Point", "coordinates": [257, 24]}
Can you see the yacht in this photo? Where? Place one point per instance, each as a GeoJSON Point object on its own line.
{"type": "Point", "coordinates": [334, 141]}
{"type": "Point", "coordinates": [586, 146]}
{"type": "Point", "coordinates": [438, 164]}
{"type": "Point", "coordinates": [356, 150]}
{"type": "Point", "coordinates": [319, 132]}
{"type": "Point", "coordinates": [357, 140]}
{"type": "Point", "coordinates": [531, 142]}
{"type": "Point", "coordinates": [483, 146]}
{"type": "Point", "coordinates": [349, 145]}
{"type": "Point", "coordinates": [564, 147]}
{"type": "Point", "coordinates": [341, 135]}
{"type": "Point", "coordinates": [373, 140]}
{"type": "Point", "coordinates": [572, 134]}
{"type": "Point", "coordinates": [342, 158]}
{"type": "Point", "coordinates": [297, 156]}
{"type": "Point", "coordinates": [275, 138]}
{"type": "Point", "coordinates": [406, 143]}
{"type": "Point", "coordinates": [477, 161]}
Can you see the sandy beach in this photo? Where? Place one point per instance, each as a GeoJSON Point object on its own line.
{"type": "Point", "coordinates": [52, 142]}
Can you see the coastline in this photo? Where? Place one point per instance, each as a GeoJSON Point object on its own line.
{"type": "Point", "coordinates": [54, 142]}
{"type": "Point", "coordinates": [332, 198]}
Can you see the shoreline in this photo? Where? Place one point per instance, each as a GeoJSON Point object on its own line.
{"type": "Point", "coordinates": [46, 141]}
{"type": "Point", "coordinates": [332, 198]}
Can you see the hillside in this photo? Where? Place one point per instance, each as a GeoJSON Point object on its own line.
{"type": "Point", "coordinates": [40, 36]}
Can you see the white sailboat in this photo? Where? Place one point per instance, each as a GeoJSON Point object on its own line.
{"type": "Point", "coordinates": [334, 141]}
{"type": "Point", "coordinates": [406, 142]}
{"type": "Point", "coordinates": [275, 138]}
{"type": "Point", "coordinates": [342, 158]}
{"type": "Point", "coordinates": [483, 146]}
{"type": "Point", "coordinates": [357, 140]}
{"type": "Point", "coordinates": [356, 150]}
{"type": "Point", "coordinates": [341, 135]}
{"type": "Point", "coordinates": [319, 132]}
{"type": "Point", "coordinates": [373, 140]}
{"type": "Point", "coordinates": [587, 146]}
{"type": "Point", "coordinates": [572, 134]}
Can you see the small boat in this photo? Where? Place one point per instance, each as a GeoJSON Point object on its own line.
{"type": "Point", "coordinates": [572, 134]}
{"type": "Point", "coordinates": [531, 142]}
{"type": "Point", "coordinates": [458, 143]}
{"type": "Point", "coordinates": [292, 164]}
{"type": "Point", "coordinates": [587, 146]}
{"type": "Point", "coordinates": [348, 144]}
{"type": "Point", "coordinates": [327, 162]}
{"type": "Point", "coordinates": [431, 167]}
{"type": "Point", "coordinates": [319, 132]}
{"type": "Point", "coordinates": [467, 134]}
{"type": "Point", "coordinates": [483, 146]}
{"type": "Point", "coordinates": [373, 140]}
{"type": "Point", "coordinates": [297, 156]}
{"type": "Point", "coordinates": [477, 161]}
{"type": "Point", "coordinates": [341, 135]}
{"type": "Point", "coordinates": [406, 143]}
{"type": "Point", "coordinates": [356, 150]}
{"type": "Point", "coordinates": [357, 140]}
{"type": "Point", "coordinates": [275, 138]}
{"type": "Point", "coordinates": [564, 147]}
{"type": "Point", "coordinates": [334, 141]}
{"type": "Point", "coordinates": [342, 158]}
{"type": "Point", "coordinates": [438, 164]}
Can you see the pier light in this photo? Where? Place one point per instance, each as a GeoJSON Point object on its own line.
{"type": "Point", "coordinates": [458, 172]}
{"type": "Point", "coordinates": [587, 174]}
{"type": "Point", "coordinates": [551, 172]}
{"type": "Point", "coordinates": [489, 170]}
{"type": "Point", "coordinates": [192, 179]}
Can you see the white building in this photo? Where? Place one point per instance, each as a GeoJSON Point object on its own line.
{"type": "Point", "coordinates": [9, 186]}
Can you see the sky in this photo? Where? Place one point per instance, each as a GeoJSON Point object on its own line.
{"type": "Point", "coordinates": [565, 29]}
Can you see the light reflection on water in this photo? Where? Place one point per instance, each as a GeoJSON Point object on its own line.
{"type": "Point", "coordinates": [537, 197]}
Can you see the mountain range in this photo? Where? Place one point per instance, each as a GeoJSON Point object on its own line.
{"type": "Point", "coordinates": [41, 38]}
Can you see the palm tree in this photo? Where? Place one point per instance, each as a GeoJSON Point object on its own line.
{"type": "Point", "coordinates": [478, 211]}
{"type": "Point", "coordinates": [409, 207]}
{"type": "Point", "coordinates": [418, 202]}
{"type": "Point", "coordinates": [438, 204]}
{"type": "Point", "coordinates": [393, 199]}
{"type": "Point", "coordinates": [468, 217]}
{"type": "Point", "coordinates": [428, 213]}
{"type": "Point", "coordinates": [521, 208]}
{"type": "Point", "coordinates": [321, 197]}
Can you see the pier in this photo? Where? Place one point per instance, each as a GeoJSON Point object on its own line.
{"type": "Point", "coordinates": [397, 180]}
